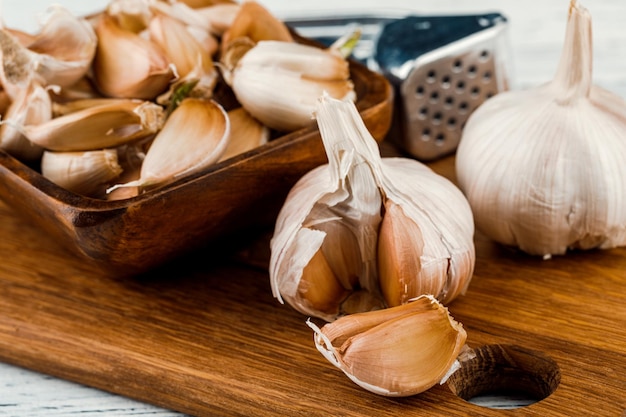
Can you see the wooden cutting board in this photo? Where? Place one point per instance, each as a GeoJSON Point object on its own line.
{"type": "Point", "coordinates": [203, 335]}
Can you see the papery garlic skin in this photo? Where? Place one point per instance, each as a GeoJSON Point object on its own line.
{"type": "Point", "coordinates": [543, 169]}
{"type": "Point", "coordinates": [338, 209]}
{"type": "Point", "coordinates": [395, 352]}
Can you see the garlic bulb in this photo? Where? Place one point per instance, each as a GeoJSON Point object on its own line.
{"type": "Point", "coordinates": [335, 248]}
{"type": "Point", "coordinates": [543, 169]}
{"type": "Point", "coordinates": [396, 352]}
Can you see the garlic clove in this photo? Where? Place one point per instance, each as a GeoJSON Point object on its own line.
{"type": "Point", "coordinates": [212, 19]}
{"type": "Point", "coordinates": [303, 72]}
{"type": "Point", "coordinates": [131, 15]}
{"type": "Point", "coordinates": [319, 289]}
{"type": "Point", "coordinates": [32, 106]}
{"type": "Point", "coordinates": [180, 46]}
{"type": "Point", "coordinates": [81, 89]}
{"type": "Point", "coordinates": [246, 133]}
{"type": "Point", "coordinates": [443, 216]}
{"type": "Point", "coordinates": [126, 65]}
{"type": "Point", "coordinates": [18, 66]}
{"type": "Point", "coordinates": [86, 173]}
{"type": "Point", "coordinates": [64, 48]}
{"type": "Point", "coordinates": [205, 3]}
{"type": "Point", "coordinates": [194, 136]}
{"type": "Point", "coordinates": [399, 239]}
{"type": "Point", "coordinates": [5, 101]}
{"type": "Point", "coordinates": [102, 126]}
{"type": "Point", "coordinates": [67, 107]}
{"type": "Point", "coordinates": [399, 351]}
{"type": "Point", "coordinates": [61, 54]}
{"type": "Point", "coordinates": [254, 21]}
{"type": "Point", "coordinates": [191, 61]}
{"type": "Point", "coordinates": [219, 17]}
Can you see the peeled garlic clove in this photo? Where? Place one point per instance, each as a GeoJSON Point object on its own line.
{"type": "Point", "coordinates": [390, 229]}
{"type": "Point", "coordinates": [194, 136]}
{"type": "Point", "coordinates": [246, 133]}
{"type": "Point", "coordinates": [254, 21]}
{"type": "Point", "coordinates": [127, 65]}
{"type": "Point", "coordinates": [303, 73]}
{"type": "Point", "coordinates": [64, 48]}
{"type": "Point", "coordinates": [102, 126]}
{"type": "Point", "coordinates": [543, 168]}
{"type": "Point", "coordinates": [86, 173]}
{"type": "Point", "coordinates": [32, 106]}
{"type": "Point", "coordinates": [395, 352]}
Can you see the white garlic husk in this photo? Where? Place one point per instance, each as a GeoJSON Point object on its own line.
{"type": "Point", "coordinates": [543, 169]}
{"type": "Point", "coordinates": [336, 248]}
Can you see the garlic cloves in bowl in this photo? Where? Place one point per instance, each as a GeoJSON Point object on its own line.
{"type": "Point", "coordinates": [336, 249]}
{"type": "Point", "coordinates": [543, 169]}
{"type": "Point", "coordinates": [195, 135]}
{"type": "Point", "coordinates": [395, 352]}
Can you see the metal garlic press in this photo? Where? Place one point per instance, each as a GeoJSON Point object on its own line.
{"type": "Point", "coordinates": [442, 68]}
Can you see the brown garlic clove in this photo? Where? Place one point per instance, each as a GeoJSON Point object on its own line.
{"type": "Point", "coordinates": [399, 351]}
{"type": "Point", "coordinates": [254, 21]}
{"type": "Point", "coordinates": [127, 65]}
{"type": "Point", "coordinates": [193, 137]}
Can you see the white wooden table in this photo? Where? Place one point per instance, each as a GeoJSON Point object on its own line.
{"type": "Point", "coordinates": [536, 31]}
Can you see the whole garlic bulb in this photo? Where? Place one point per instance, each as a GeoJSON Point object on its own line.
{"type": "Point", "coordinates": [543, 169]}
{"type": "Point", "coordinates": [364, 232]}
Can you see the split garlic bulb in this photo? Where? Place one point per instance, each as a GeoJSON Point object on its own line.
{"type": "Point", "coordinates": [543, 169]}
{"type": "Point", "coordinates": [364, 232]}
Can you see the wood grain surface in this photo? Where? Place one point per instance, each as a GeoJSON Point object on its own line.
{"type": "Point", "coordinates": [204, 336]}
{"type": "Point", "coordinates": [570, 308]}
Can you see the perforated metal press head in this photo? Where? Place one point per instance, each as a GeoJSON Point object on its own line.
{"type": "Point", "coordinates": [443, 69]}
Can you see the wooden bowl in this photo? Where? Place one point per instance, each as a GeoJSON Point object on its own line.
{"type": "Point", "coordinates": [136, 234]}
